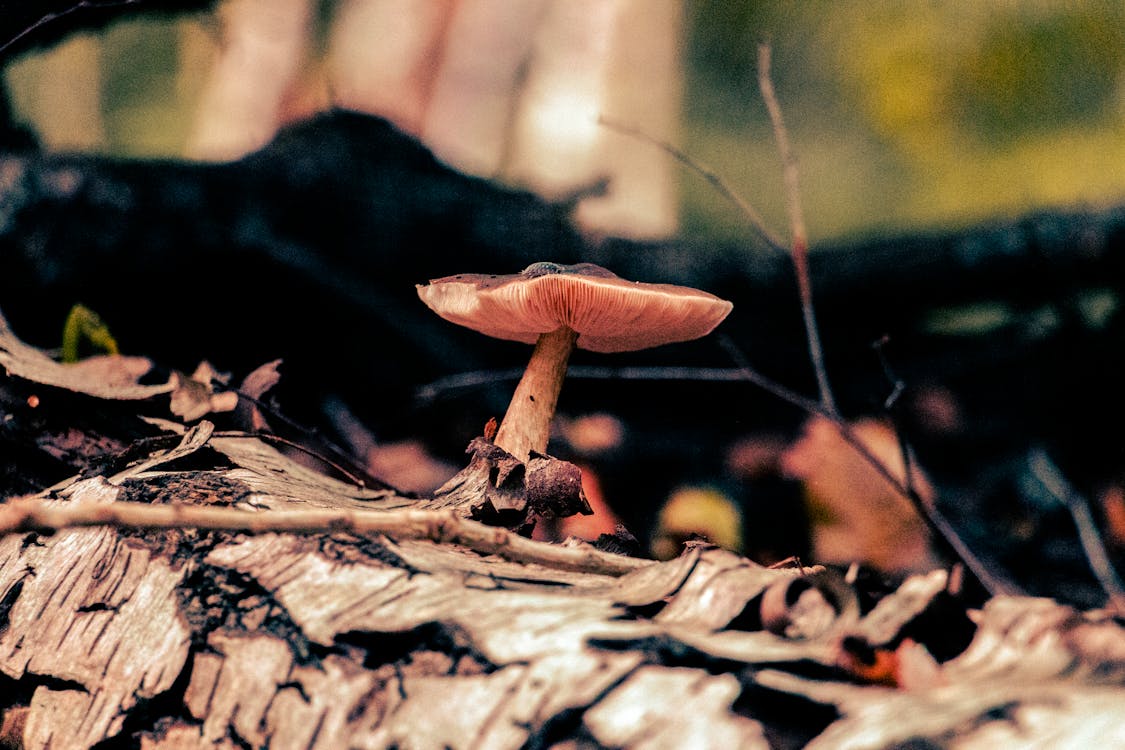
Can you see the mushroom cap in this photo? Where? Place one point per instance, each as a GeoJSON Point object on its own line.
{"type": "Point", "coordinates": [609, 313]}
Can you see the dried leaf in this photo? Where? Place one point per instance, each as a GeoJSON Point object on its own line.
{"type": "Point", "coordinates": [261, 379]}
{"type": "Point", "coordinates": [809, 606]}
{"type": "Point", "coordinates": [192, 440]}
{"type": "Point", "coordinates": [499, 489]}
{"type": "Point", "coordinates": [554, 488]}
{"type": "Point", "coordinates": [110, 377]}
{"type": "Point", "coordinates": [194, 397]}
{"type": "Point", "coordinates": [253, 387]}
{"type": "Point", "coordinates": [921, 609]}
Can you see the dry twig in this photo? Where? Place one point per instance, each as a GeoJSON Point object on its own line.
{"type": "Point", "coordinates": [799, 249]}
{"type": "Point", "coordinates": [1052, 479]}
{"type": "Point", "coordinates": [940, 529]}
{"type": "Point", "coordinates": [48, 18]}
{"type": "Point", "coordinates": [716, 181]}
{"type": "Point", "coordinates": [401, 524]}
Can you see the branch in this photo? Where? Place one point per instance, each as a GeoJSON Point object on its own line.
{"type": "Point", "coordinates": [437, 526]}
{"type": "Point", "coordinates": [48, 18]}
{"type": "Point", "coordinates": [472, 379]}
{"type": "Point", "coordinates": [1052, 479]}
{"type": "Point", "coordinates": [800, 246]}
{"type": "Point", "coordinates": [892, 406]}
{"type": "Point", "coordinates": [717, 182]}
{"type": "Point", "coordinates": [940, 530]}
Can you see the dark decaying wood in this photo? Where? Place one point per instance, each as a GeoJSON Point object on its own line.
{"type": "Point", "coordinates": [164, 635]}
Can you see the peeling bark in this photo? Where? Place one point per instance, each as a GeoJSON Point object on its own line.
{"type": "Point", "coordinates": [97, 614]}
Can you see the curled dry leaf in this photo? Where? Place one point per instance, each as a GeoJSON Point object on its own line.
{"type": "Point", "coordinates": [110, 370]}
{"type": "Point", "coordinates": [195, 397]}
{"type": "Point", "coordinates": [808, 606]}
{"type": "Point", "coordinates": [248, 415]}
{"type": "Point", "coordinates": [921, 609]}
{"type": "Point", "coordinates": [261, 379]}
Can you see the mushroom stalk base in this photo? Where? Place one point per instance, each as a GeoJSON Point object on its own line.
{"type": "Point", "coordinates": [527, 423]}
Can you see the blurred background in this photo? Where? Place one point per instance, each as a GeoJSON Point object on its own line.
{"type": "Point", "coordinates": [916, 124]}
{"type": "Point", "coordinates": [904, 115]}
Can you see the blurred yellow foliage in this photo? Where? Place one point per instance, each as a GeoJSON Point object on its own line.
{"type": "Point", "coordinates": [922, 114]}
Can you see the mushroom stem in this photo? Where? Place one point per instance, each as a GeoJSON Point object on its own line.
{"type": "Point", "coordinates": [527, 423]}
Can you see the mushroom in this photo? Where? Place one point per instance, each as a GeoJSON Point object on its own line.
{"type": "Point", "coordinates": [558, 307]}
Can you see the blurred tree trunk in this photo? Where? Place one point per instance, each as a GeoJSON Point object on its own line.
{"type": "Point", "coordinates": [643, 88]}
{"type": "Point", "coordinates": [263, 47]}
{"type": "Point", "coordinates": [500, 90]}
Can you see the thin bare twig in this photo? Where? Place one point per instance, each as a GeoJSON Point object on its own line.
{"type": "Point", "coordinates": [892, 406]}
{"type": "Point", "coordinates": [940, 530]}
{"type": "Point", "coordinates": [269, 437]}
{"type": "Point", "coordinates": [1052, 479]}
{"type": "Point", "coordinates": [357, 473]}
{"type": "Point", "coordinates": [800, 240]}
{"type": "Point", "coordinates": [477, 378]}
{"type": "Point", "coordinates": [717, 182]}
{"type": "Point", "coordinates": [52, 17]}
{"type": "Point", "coordinates": [440, 526]}
{"type": "Point", "coordinates": [943, 534]}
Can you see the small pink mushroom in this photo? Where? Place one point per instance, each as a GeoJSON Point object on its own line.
{"type": "Point", "coordinates": [558, 307]}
